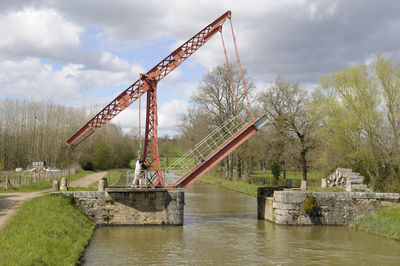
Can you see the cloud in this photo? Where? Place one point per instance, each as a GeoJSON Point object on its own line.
{"type": "Point", "coordinates": [37, 81]}
{"type": "Point", "coordinates": [168, 115]}
{"type": "Point", "coordinates": [37, 32]}
{"type": "Point", "coordinates": [300, 40]}
{"type": "Point", "coordinates": [76, 52]}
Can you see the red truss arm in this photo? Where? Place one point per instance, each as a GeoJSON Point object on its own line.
{"type": "Point", "coordinates": [137, 89]}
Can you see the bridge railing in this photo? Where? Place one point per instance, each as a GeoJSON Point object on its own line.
{"type": "Point", "coordinates": [207, 145]}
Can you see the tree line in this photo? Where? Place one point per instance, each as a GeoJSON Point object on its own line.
{"type": "Point", "coordinates": [37, 131]}
{"type": "Point", "coordinates": [351, 119]}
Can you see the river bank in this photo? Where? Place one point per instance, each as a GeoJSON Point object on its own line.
{"type": "Point", "coordinates": [48, 230]}
{"type": "Point", "coordinates": [238, 186]}
{"type": "Point", "coordinates": [385, 222]}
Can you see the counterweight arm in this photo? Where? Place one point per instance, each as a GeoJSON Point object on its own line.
{"type": "Point", "coordinates": [139, 87]}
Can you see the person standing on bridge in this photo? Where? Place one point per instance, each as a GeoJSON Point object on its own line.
{"type": "Point", "coordinates": [138, 170]}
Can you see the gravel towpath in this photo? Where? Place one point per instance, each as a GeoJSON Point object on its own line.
{"type": "Point", "coordinates": [87, 180]}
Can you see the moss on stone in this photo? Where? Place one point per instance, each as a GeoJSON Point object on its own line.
{"type": "Point", "coordinates": [310, 204]}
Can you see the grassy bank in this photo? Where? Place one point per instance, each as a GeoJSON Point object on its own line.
{"type": "Point", "coordinates": [240, 186]}
{"type": "Point", "coordinates": [251, 188]}
{"type": "Point", "coordinates": [44, 185]}
{"type": "Point", "coordinates": [49, 230]}
{"type": "Point", "coordinates": [313, 178]}
{"type": "Point", "coordinates": [385, 222]}
{"type": "Point", "coordinates": [114, 177]}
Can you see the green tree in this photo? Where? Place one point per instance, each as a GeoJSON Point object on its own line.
{"type": "Point", "coordinates": [360, 115]}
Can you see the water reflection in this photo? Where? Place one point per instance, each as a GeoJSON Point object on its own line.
{"type": "Point", "coordinates": [220, 228]}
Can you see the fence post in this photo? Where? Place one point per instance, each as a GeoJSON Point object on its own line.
{"type": "Point", "coordinates": [6, 181]}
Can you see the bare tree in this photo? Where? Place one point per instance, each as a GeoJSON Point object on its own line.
{"type": "Point", "coordinates": [287, 107]}
{"type": "Point", "coordinates": [37, 131]}
{"type": "Point", "coordinates": [215, 98]}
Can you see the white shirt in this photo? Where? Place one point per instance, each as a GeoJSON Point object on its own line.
{"type": "Point", "coordinates": [138, 166]}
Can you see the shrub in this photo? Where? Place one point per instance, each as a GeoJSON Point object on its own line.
{"type": "Point", "coordinates": [310, 204]}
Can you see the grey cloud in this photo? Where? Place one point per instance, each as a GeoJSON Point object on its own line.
{"type": "Point", "coordinates": [302, 49]}
{"type": "Point", "coordinates": [285, 41]}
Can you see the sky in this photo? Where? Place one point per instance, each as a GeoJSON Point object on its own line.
{"type": "Point", "coordinates": [86, 52]}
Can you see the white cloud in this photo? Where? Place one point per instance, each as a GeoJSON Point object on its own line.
{"type": "Point", "coordinates": [168, 115]}
{"type": "Point", "coordinates": [30, 31]}
{"type": "Point", "coordinates": [110, 61]}
{"type": "Point", "coordinates": [37, 81]}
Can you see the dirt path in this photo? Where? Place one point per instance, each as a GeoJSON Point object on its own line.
{"type": "Point", "coordinates": [10, 202]}
{"type": "Point", "coordinates": [87, 180]}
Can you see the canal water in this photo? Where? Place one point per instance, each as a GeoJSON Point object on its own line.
{"type": "Point", "coordinates": [221, 228]}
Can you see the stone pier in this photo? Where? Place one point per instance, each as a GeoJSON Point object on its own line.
{"type": "Point", "coordinates": [132, 206]}
{"type": "Point", "coordinates": [323, 208]}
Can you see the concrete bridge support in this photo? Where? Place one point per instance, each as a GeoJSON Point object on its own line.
{"type": "Point", "coordinates": [132, 206]}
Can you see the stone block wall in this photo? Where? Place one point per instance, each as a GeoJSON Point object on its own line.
{"type": "Point", "coordinates": [132, 207]}
{"type": "Point", "coordinates": [332, 208]}
{"type": "Point", "coordinates": [264, 206]}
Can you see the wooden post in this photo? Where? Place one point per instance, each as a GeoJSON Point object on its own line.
{"type": "Point", "coordinates": [6, 181]}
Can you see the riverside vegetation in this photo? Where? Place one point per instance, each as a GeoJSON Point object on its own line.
{"type": "Point", "coordinates": [385, 222]}
{"type": "Point", "coordinates": [48, 230]}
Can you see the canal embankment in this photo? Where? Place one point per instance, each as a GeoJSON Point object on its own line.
{"type": "Point", "coordinates": [48, 230]}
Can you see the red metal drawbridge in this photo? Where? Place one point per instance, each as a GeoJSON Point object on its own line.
{"type": "Point", "coordinates": [212, 149]}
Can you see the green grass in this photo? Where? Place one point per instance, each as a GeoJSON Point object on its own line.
{"type": "Point", "coordinates": [48, 230]}
{"type": "Point", "coordinates": [243, 187]}
{"type": "Point", "coordinates": [313, 178]}
{"type": "Point", "coordinates": [385, 222]}
{"type": "Point", "coordinates": [113, 178]}
{"type": "Point", "coordinates": [29, 188]}
{"type": "Point", "coordinates": [44, 185]}
{"type": "Point", "coordinates": [250, 188]}
{"type": "Point", "coordinates": [79, 175]}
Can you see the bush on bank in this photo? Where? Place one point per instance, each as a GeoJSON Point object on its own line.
{"type": "Point", "coordinates": [48, 230]}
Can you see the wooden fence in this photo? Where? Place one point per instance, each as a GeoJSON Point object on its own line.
{"type": "Point", "coordinates": [17, 179]}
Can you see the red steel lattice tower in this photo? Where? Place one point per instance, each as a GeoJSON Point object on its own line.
{"type": "Point", "coordinates": [148, 83]}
